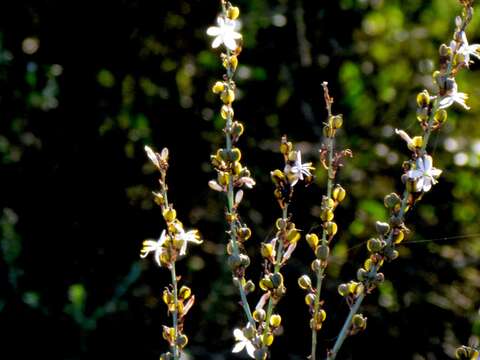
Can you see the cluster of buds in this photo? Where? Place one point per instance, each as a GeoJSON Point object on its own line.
{"type": "Point", "coordinates": [171, 245]}
{"type": "Point", "coordinates": [467, 353]}
{"type": "Point", "coordinates": [419, 174]}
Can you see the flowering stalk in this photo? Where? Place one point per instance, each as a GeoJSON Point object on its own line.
{"type": "Point", "coordinates": [231, 174]}
{"type": "Point", "coordinates": [419, 174]}
{"type": "Point", "coordinates": [331, 161]}
{"type": "Point", "coordinates": [171, 245]}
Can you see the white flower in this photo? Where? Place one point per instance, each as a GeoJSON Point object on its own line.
{"type": "Point", "coordinates": [453, 96]}
{"type": "Point", "coordinates": [296, 171]}
{"type": "Point", "coordinates": [185, 237]}
{"type": "Point", "coordinates": [243, 343]}
{"type": "Point", "coordinates": [425, 174]}
{"type": "Point", "coordinates": [155, 246]}
{"type": "Point", "coordinates": [224, 33]}
{"type": "Point", "coordinates": [152, 156]}
{"type": "Point", "coordinates": [469, 50]}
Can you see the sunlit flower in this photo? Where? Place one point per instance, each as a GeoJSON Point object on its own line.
{"type": "Point", "coordinates": [224, 33]}
{"type": "Point", "coordinates": [453, 96]}
{"type": "Point", "coordinates": [152, 156]}
{"type": "Point", "coordinates": [424, 174]}
{"type": "Point", "coordinates": [154, 246]}
{"type": "Point", "coordinates": [186, 237]}
{"type": "Point", "coordinates": [297, 171]}
{"type": "Point", "coordinates": [469, 50]}
{"type": "Point", "coordinates": [243, 343]}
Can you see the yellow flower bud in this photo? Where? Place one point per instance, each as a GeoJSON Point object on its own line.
{"type": "Point", "coordinates": [266, 250]}
{"type": "Point", "coordinates": [337, 121]}
{"type": "Point", "coordinates": [293, 236]}
{"type": "Point", "coordinates": [305, 282]}
{"type": "Point", "coordinates": [339, 193]}
{"type": "Point", "coordinates": [310, 299]}
{"type": "Point", "coordinates": [233, 62]}
{"type": "Point", "coordinates": [218, 87]}
{"type": "Point", "coordinates": [226, 112]}
{"type": "Point", "coordinates": [343, 289]}
{"type": "Point", "coordinates": [441, 116]}
{"type": "Point", "coordinates": [417, 142]}
{"type": "Point", "coordinates": [227, 96]}
{"type": "Point", "coordinates": [233, 12]}
{"type": "Point", "coordinates": [397, 239]}
{"type": "Point", "coordinates": [286, 147]}
{"type": "Point", "coordinates": [275, 320]}
{"type": "Point", "coordinates": [312, 240]}
{"type": "Point", "coordinates": [259, 315]}
{"type": "Point", "coordinates": [169, 214]}
{"type": "Point", "coordinates": [326, 215]}
{"type": "Point", "coordinates": [267, 339]}
{"type": "Point", "coordinates": [184, 292]}
{"type": "Point", "coordinates": [331, 228]}
{"type": "Point", "coordinates": [423, 99]}
{"type": "Point", "coordinates": [266, 284]}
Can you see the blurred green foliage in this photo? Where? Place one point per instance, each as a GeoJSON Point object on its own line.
{"type": "Point", "coordinates": [83, 86]}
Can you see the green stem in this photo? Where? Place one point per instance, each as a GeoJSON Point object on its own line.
{"type": "Point", "coordinates": [321, 271]}
{"type": "Point", "coordinates": [346, 326]}
{"type": "Point", "coordinates": [175, 351]}
{"type": "Point", "coordinates": [276, 269]}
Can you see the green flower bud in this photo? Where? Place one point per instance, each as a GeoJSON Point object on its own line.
{"type": "Point", "coordinates": [322, 252]}
{"type": "Point", "coordinates": [259, 315]}
{"type": "Point", "coordinates": [382, 227]}
{"type": "Point", "coordinates": [359, 321]}
{"type": "Point", "coordinates": [305, 282]}
{"type": "Point", "coordinates": [343, 290]}
{"type": "Point", "coordinates": [316, 265]}
{"type": "Point", "coordinates": [277, 279]}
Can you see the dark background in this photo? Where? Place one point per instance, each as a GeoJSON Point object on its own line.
{"type": "Point", "coordinates": [85, 85]}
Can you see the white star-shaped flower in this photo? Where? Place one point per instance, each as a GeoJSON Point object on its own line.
{"type": "Point", "coordinates": [243, 343]}
{"type": "Point", "coordinates": [469, 50]}
{"type": "Point", "coordinates": [453, 96]}
{"type": "Point", "coordinates": [154, 246]}
{"type": "Point", "coordinates": [297, 171]}
{"type": "Point", "coordinates": [424, 174]}
{"type": "Point", "coordinates": [224, 33]}
{"type": "Point", "coordinates": [185, 237]}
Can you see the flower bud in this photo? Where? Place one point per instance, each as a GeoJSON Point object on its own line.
{"type": "Point", "coordinates": [267, 339]}
{"type": "Point", "coordinates": [326, 215]}
{"type": "Point", "coordinates": [343, 289]}
{"type": "Point", "coordinates": [362, 274]}
{"type": "Point", "coordinates": [328, 131]}
{"type": "Point", "coordinates": [275, 320]}
{"type": "Point", "coordinates": [277, 279]}
{"type": "Point", "coordinates": [374, 245]}
{"type": "Point", "coordinates": [337, 121]}
{"type": "Point", "coordinates": [235, 155]}
{"type": "Point", "coordinates": [293, 235]}
{"type": "Point", "coordinates": [266, 250]}
{"type": "Point", "coordinates": [233, 12]}
{"type": "Point", "coordinates": [316, 265]}
{"type": "Point", "coordinates": [259, 315]}
{"type": "Point", "coordinates": [312, 240]}
{"type": "Point", "coordinates": [305, 282]}
{"type": "Point", "coordinates": [423, 99]}
{"type": "Point", "coordinates": [226, 112]}
{"type": "Point", "coordinates": [169, 214]}
{"type": "Point", "coordinates": [331, 228]}
{"type": "Point", "coordinates": [266, 284]}
{"type": "Point", "coordinates": [441, 116]}
{"type": "Point", "coordinates": [234, 261]}
{"type": "Point", "coordinates": [359, 321]}
{"type": "Point", "coordinates": [278, 177]}
{"type": "Point", "coordinates": [391, 201]}
{"type": "Point", "coordinates": [184, 292]}
{"type": "Point", "coordinates": [233, 62]}
{"type": "Point", "coordinates": [244, 233]}
{"type": "Point", "coordinates": [444, 50]}
{"type": "Point", "coordinates": [322, 252]}
{"type": "Point", "coordinates": [218, 87]}
{"type": "Point", "coordinates": [382, 227]}
{"type": "Point", "coordinates": [339, 193]}
{"type": "Point", "coordinates": [227, 96]}
{"type": "Point", "coordinates": [310, 299]}
{"type": "Point", "coordinates": [422, 114]}
{"type": "Point", "coordinates": [244, 260]}
{"type": "Point", "coordinates": [398, 238]}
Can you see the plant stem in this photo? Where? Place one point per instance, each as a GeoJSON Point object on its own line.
{"type": "Point", "coordinates": [276, 269]}
{"type": "Point", "coordinates": [175, 312]}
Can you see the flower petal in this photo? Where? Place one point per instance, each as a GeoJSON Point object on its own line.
{"type": "Point", "coordinates": [230, 42]}
{"type": "Point", "coordinates": [445, 102]}
{"type": "Point", "coordinates": [427, 184]}
{"type": "Point", "coordinates": [427, 163]}
{"type": "Point", "coordinates": [213, 31]}
{"type": "Point", "coordinates": [419, 184]}
{"type": "Point", "coordinates": [238, 347]}
{"type": "Point", "coordinates": [250, 350]}
{"type": "Point", "coordinates": [239, 335]}
{"type": "Point", "coordinates": [217, 42]}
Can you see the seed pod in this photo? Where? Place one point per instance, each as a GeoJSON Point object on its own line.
{"type": "Point", "coordinates": [244, 233]}
{"type": "Point", "coordinates": [244, 260]}
{"type": "Point", "coordinates": [237, 129]}
{"type": "Point", "coordinates": [234, 261]}
{"type": "Point", "coordinates": [362, 274]}
{"type": "Point", "coordinates": [182, 340]}
{"type": "Point", "coordinates": [235, 155]}
{"type": "Point", "coordinates": [359, 321]}
{"type": "Point", "coordinates": [316, 265]}
{"type": "Point", "coordinates": [322, 252]}
{"type": "Point", "coordinates": [305, 282]}
{"type": "Point", "coordinates": [379, 278]}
